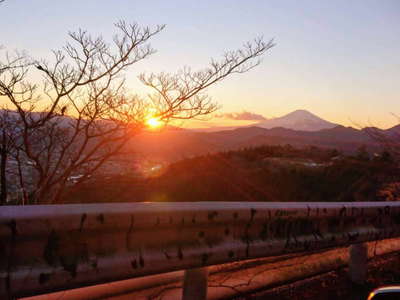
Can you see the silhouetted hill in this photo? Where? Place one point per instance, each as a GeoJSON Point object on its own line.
{"type": "Point", "coordinates": [169, 145]}
{"type": "Point", "coordinates": [394, 131]}
{"type": "Point", "coordinates": [267, 173]}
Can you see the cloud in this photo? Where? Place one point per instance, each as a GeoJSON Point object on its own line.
{"type": "Point", "coordinates": [244, 115]}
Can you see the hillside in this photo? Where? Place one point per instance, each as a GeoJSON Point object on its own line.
{"type": "Point", "coordinates": [268, 173]}
{"type": "Point", "coordinates": [173, 145]}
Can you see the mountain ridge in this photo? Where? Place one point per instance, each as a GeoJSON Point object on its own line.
{"type": "Point", "coordinates": [300, 119]}
{"type": "Point", "coordinates": [346, 139]}
{"type": "Point", "coordinates": [171, 144]}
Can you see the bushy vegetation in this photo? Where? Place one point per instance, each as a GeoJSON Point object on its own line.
{"type": "Point", "coordinates": [267, 173]}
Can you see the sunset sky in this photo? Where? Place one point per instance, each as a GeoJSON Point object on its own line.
{"type": "Point", "coordinates": [337, 59]}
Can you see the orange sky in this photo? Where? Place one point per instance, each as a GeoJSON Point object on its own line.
{"type": "Point", "coordinates": [337, 59]}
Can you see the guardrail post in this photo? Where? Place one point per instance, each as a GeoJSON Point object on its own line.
{"type": "Point", "coordinates": [195, 284]}
{"type": "Point", "coordinates": [358, 254]}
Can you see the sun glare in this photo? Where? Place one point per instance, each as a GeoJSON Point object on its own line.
{"type": "Point", "coordinates": [154, 123]}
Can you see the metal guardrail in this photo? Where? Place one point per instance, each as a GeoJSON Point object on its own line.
{"type": "Point", "coordinates": [56, 247]}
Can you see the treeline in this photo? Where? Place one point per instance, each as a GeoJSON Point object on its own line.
{"type": "Point", "coordinates": [267, 173]}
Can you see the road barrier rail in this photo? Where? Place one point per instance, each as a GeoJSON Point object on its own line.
{"type": "Point", "coordinates": [47, 248]}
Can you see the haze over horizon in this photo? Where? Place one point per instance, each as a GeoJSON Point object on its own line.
{"type": "Point", "coordinates": [338, 60]}
{"type": "Point", "coordinates": [299, 119]}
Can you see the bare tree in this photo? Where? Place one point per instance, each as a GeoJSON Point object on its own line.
{"type": "Point", "coordinates": [5, 149]}
{"type": "Point", "coordinates": [8, 120]}
{"type": "Point", "coordinates": [79, 116]}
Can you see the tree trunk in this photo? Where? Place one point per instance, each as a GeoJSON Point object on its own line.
{"type": "Point", "coordinates": [3, 168]}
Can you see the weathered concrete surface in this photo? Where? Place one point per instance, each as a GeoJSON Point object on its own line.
{"type": "Point", "coordinates": [229, 281]}
{"type": "Point", "coordinates": [225, 280]}
{"type": "Point", "coordinates": [144, 287]}
{"type": "Point", "coordinates": [48, 248]}
{"type": "Point", "coordinates": [114, 289]}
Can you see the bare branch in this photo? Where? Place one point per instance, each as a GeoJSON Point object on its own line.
{"type": "Point", "coordinates": [182, 95]}
{"type": "Point", "coordinates": [86, 117]}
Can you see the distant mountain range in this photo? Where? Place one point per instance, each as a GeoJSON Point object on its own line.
{"type": "Point", "coordinates": [298, 120]}
{"type": "Point", "coordinates": [299, 128]}
{"type": "Point", "coordinates": [171, 145]}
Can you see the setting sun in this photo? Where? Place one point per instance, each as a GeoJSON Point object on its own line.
{"type": "Point", "coordinates": [154, 123]}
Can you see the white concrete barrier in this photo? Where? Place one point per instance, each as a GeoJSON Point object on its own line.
{"type": "Point", "coordinates": [50, 248]}
{"type": "Point", "coordinates": [228, 280]}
